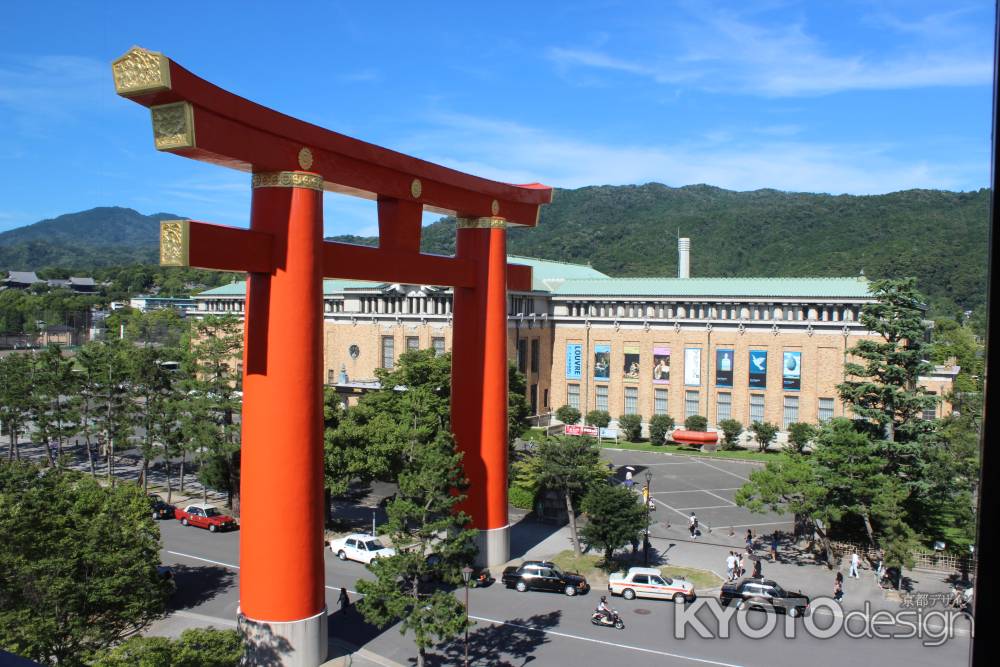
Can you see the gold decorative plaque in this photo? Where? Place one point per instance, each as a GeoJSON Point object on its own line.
{"type": "Point", "coordinates": [495, 207]}
{"type": "Point", "coordinates": [174, 240]}
{"type": "Point", "coordinates": [141, 71]}
{"type": "Point", "coordinates": [288, 179]}
{"type": "Point", "coordinates": [305, 158]}
{"type": "Point", "coordinates": [416, 188]}
{"type": "Point", "coordinates": [173, 126]}
{"type": "Point", "coordinates": [482, 223]}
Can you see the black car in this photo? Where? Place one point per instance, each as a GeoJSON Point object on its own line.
{"type": "Point", "coordinates": [160, 508]}
{"type": "Point", "coordinates": [543, 575]}
{"type": "Point", "coordinates": [764, 594]}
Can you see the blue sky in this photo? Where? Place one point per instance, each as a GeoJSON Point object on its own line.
{"type": "Point", "coordinates": [835, 96]}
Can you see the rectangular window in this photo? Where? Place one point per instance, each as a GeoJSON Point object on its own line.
{"type": "Point", "coordinates": [692, 403]}
{"type": "Point", "coordinates": [825, 409]}
{"type": "Point", "coordinates": [545, 398]}
{"type": "Point", "coordinates": [659, 401]}
{"type": "Point", "coordinates": [930, 413]}
{"type": "Point", "coordinates": [631, 400]}
{"type": "Point", "coordinates": [388, 352]}
{"type": "Point", "coordinates": [535, 354]}
{"type": "Point", "coordinates": [573, 396]}
{"type": "Point", "coordinates": [756, 408]}
{"type": "Point", "coordinates": [723, 407]}
{"type": "Point", "coordinates": [601, 391]}
{"type": "Point", "coordinates": [438, 345]}
{"type": "Point", "coordinates": [522, 355]}
{"type": "Point", "coordinates": [791, 413]}
{"type": "Point", "coordinates": [329, 376]}
{"type": "Point", "coordinates": [412, 343]}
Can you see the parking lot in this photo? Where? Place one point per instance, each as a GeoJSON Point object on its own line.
{"type": "Point", "coordinates": [684, 484]}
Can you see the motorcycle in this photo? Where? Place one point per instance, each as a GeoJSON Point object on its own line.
{"type": "Point", "coordinates": [598, 618]}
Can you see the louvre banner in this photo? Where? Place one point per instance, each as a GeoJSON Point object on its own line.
{"type": "Point", "coordinates": [602, 362]}
{"type": "Point", "coordinates": [791, 371]}
{"type": "Point", "coordinates": [661, 365]}
{"type": "Point", "coordinates": [724, 368]}
{"type": "Point", "coordinates": [758, 369]}
{"type": "Point", "coordinates": [692, 366]}
{"type": "Point", "coordinates": [574, 361]}
{"type": "Point", "coordinates": [630, 370]}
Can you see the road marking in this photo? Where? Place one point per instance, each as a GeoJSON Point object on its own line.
{"type": "Point", "coordinates": [606, 643]}
{"type": "Point", "coordinates": [745, 479]}
{"type": "Point", "coordinates": [732, 488]}
{"type": "Point", "coordinates": [203, 618]}
{"type": "Point", "coordinates": [715, 495]}
{"type": "Point", "coordinates": [707, 507]}
{"type": "Point", "coordinates": [686, 516]}
{"type": "Point", "coordinates": [229, 565]}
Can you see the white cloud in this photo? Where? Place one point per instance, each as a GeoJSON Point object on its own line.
{"type": "Point", "coordinates": [516, 153]}
{"type": "Point", "coordinates": [721, 51]}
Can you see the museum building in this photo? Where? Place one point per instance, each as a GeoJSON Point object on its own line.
{"type": "Point", "coordinates": [751, 349]}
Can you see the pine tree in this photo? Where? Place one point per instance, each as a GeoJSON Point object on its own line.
{"type": "Point", "coordinates": [569, 466]}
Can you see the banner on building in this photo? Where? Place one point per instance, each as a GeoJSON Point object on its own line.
{"type": "Point", "coordinates": [602, 362]}
{"type": "Point", "coordinates": [579, 429]}
{"type": "Point", "coordinates": [692, 366]}
{"type": "Point", "coordinates": [630, 370]}
{"type": "Point", "coordinates": [661, 365]}
{"type": "Point", "coordinates": [574, 361]}
{"type": "Point", "coordinates": [758, 369]}
{"type": "Point", "coordinates": [724, 368]}
{"type": "Point", "coordinates": [791, 371]}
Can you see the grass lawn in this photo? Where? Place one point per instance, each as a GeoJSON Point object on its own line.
{"type": "Point", "coordinates": [741, 454]}
{"type": "Point", "coordinates": [586, 565]}
{"type": "Point", "coordinates": [702, 579]}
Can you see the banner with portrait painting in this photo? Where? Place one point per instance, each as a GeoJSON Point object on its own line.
{"type": "Point", "coordinates": [791, 371]}
{"type": "Point", "coordinates": [602, 362]}
{"type": "Point", "coordinates": [574, 361]}
{"type": "Point", "coordinates": [692, 366]}
{"type": "Point", "coordinates": [724, 367]}
{"type": "Point", "coordinates": [758, 369]}
{"type": "Point", "coordinates": [661, 365]}
{"type": "Point", "coordinates": [630, 369]}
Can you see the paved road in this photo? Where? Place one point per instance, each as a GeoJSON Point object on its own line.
{"type": "Point", "coordinates": [547, 629]}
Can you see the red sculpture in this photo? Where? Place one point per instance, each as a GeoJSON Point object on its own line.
{"type": "Point", "coordinates": [293, 162]}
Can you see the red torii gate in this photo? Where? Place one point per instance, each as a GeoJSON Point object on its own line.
{"type": "Point", "coordinates": [293, 162]}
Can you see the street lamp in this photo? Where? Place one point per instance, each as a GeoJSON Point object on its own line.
{"type": "Point", "coordinates": [466, 575]}
{"type": "Point", "coordinates": [649, 499]}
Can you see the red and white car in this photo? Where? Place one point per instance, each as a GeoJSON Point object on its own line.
{"type": "Point", "coordinates": [205, 516]}
{"type": "Point", "coordinates": [648, 582]}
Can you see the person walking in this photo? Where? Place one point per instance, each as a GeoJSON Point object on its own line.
{"type": "Point", "coordinates": [774, 547]}
{"type": "Point", "coordinates": [749, 541]}
{"type": "Point", "coordinates": [730, 566]}
{"type": "Point", "coordinates": [628, 480]}
{"type": "Point", "coordinates": [838, 587]}
{"type": "Point", "coordinates": [742, 565]}
{"type": "Point", "coordinates": [855, 561]}
{"type": "Point", "coordinates": [344, 600]}
{"type": "Point", "coordinates": [693, 526]}
{"type": "Point", "coordinates": [757, 572]}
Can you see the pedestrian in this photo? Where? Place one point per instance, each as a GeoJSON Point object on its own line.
{"type": "Point", "coordinates": [730, 566]}
{"type": "Point", "coordinates": [757, 573]}
{"type": "Point", "coordinates": [693, 526]}
{"type": "Point", "coordinates": [742, 565]}
{"type": "Point", "coordinates": [628, 480]}
{"type": "Point", "coordinates": [749, 541]}
{"type": "Point", "coordinates": [774, 546]}
{"type": "Point", "coordinates": [855, 560]}
{"type": "Point", "coordinates": [344, 600]}
{"type": "Point", "coordinates": [838, 587]}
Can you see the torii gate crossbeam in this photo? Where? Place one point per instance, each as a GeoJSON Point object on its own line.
{"type": "Point", "coordinates": [282, 600]}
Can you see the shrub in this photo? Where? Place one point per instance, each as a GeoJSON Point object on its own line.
{"type": "Point", "coordinates": [800, 435]}
{"type": "Point", "coordinates": [568, 415]}
{"type": "Point", "coordinates": [659, 427]}
{"type": "Point", "coordinates": [731, 431]}
{"type": "Point", "coordinates": [599, 418]}
{"type": "Point", "coordinates": [696, 423]}
{"type": "Point", "coordinates": [521, 498]}
{"type": "Point", "coordinates": [764, 433]}
{"type": "Point", "coordinates": [631, 427]}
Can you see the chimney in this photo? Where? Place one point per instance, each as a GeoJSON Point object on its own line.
{"type": "Point", "coordinates": [683, 258]}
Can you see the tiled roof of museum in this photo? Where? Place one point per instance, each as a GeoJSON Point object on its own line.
{"type": "Point", "coordinates": [565, 279]}
{"type": "Point", "coordinates": [715, 287]}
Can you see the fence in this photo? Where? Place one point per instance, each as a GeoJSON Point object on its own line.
{"type": "Point", "coordinates": [924, 560]}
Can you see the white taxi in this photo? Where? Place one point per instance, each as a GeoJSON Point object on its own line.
{"type": "Point", "coordinates": [360, 547]}
{"type": "Point", "coordinates": [649, 582]}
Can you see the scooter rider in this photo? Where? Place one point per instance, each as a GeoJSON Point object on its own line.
{"type": "Point", "coordinates": [604, 609]}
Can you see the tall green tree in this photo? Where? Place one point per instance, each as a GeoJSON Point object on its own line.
{"type": "Point", "coordinates": [196, 647]}
{"type": "Point", "coordinates": [153, 386]}
{"type": "Point", "coordinates": [15, 398]}
{"type": "Point", "coordinates": [518, 408]}
{"type": "Point", "coordinates": [422, 519]}
{"type": "Point", "coordinates": [884, 388]}
{"type": "Point", "coordinates": [53, 410]}
{"type": "Point", "coordinates": [106, 382]}
{"type": "Point", "coordinates": [569, 466]}
{"type": "Point", "coordinates": [615, 518]}
{"type": "Point", "coordinates": [77, 564]}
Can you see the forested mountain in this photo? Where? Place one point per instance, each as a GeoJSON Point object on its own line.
{"type": "Point", "coordinates": [937, 236]}
{"type": "Point", "coordinates": [631, 230]}
{"type": "Point", "coordinates": [105, 236]}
